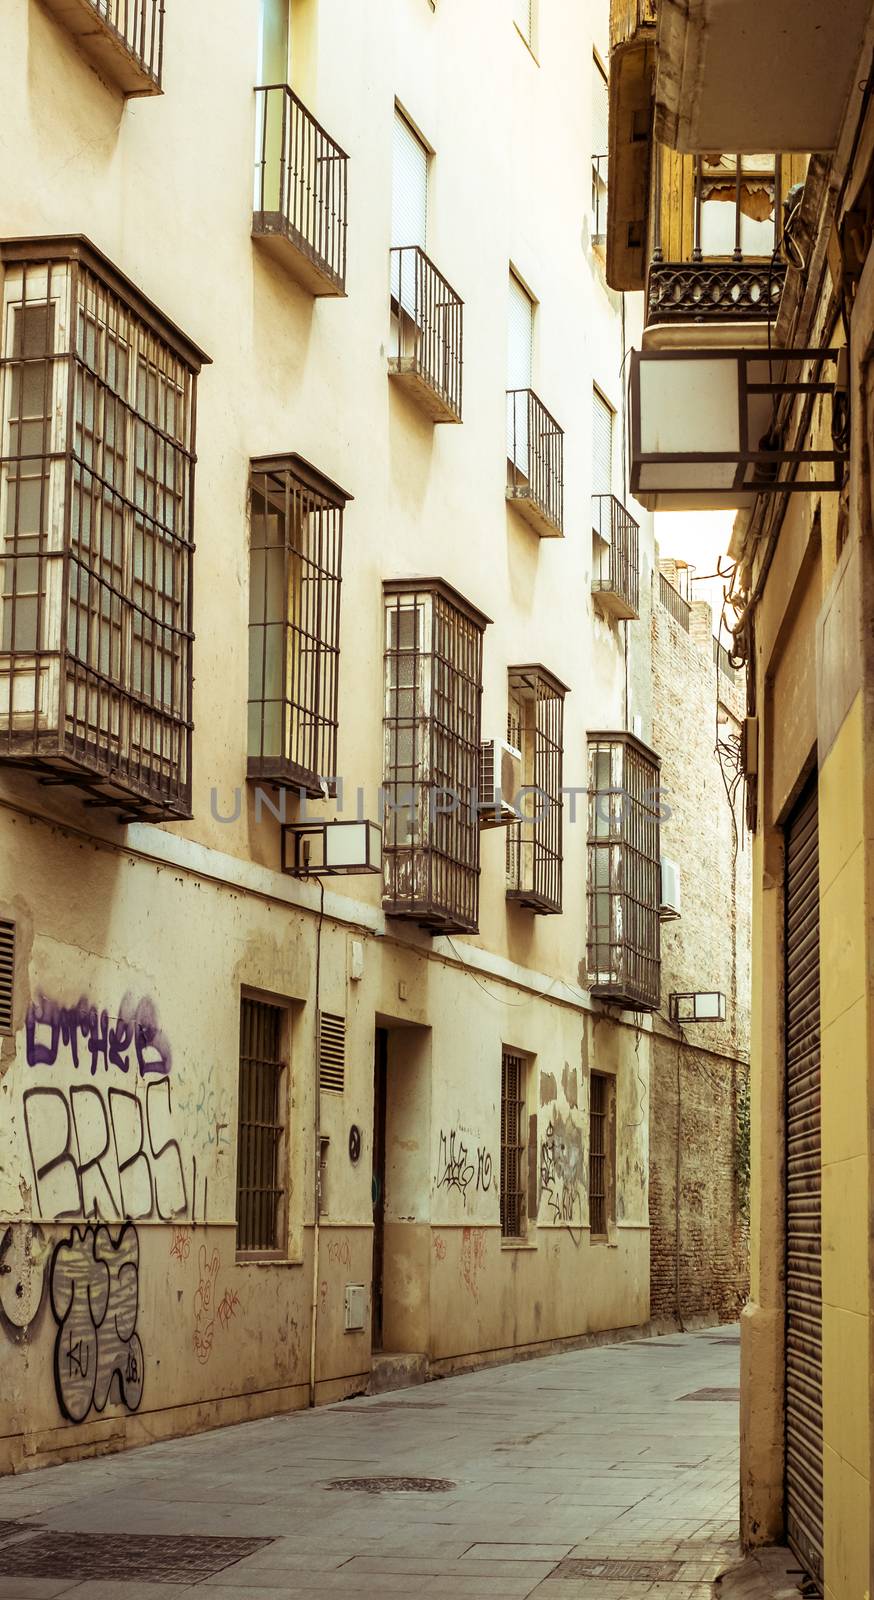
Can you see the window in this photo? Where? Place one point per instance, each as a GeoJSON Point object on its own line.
{"type": "Point", "coordinates": [409, 194]}
{"type": "Point", "coordinates": [123, 38]}
{"type": "Point", "coordinates": [514, 1074]}
{"type": "Point", "coordinates": [624, 871]}
{"type": "Point", "coordinates": [295, 564]}
{"type": "Point", "coordinates": [433, 688]}
{"type": "Point", "coordinates": [96, 493]}
{"type": "Point", "coordinates": [602, 1154]}
{"type": "Point", "coordinates": [600, 148]}
{"type": "Point", "coordinates": [261, 1129]}
{"type": "Point", "coordinates": [427, 312]}
{"type": "Point", "coordinates": [602, 444]}
{"type": "Point", "coordinates": [520, 350]}
{"type": "Point", "coordinates": [274, 42]}
{"type": "Point", "coordinates": [534, 845]}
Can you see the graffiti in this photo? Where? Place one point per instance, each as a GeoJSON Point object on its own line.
{"type": "Point", "coordinates": [207, 1112]}
{"type": "Point", "coordinates": [22, 1279]}
{"type": "Point", "coordinates": [562, 1174]}
{"type": "Point", "coordinates": [110, 1155]}
{"type": "Point", "coordinates": [228, 1307]}
{"type": "Point", "coordinates": [457, 1170]}
{"type": "Point", "coordinates": [340, 1251]}
{"type": "Point", "coordinates": [180, 1245]}
{"type": "Point", "coordinates": [94, 1290]}
{"type": "Point", "coordinates": [49, 1025]}
{"type": "Point", "coordinates": [439, 1247]}
{"type": "Point", "coordinates": [473, 1255]}
{"type": "Point", "coordinates": [204, 1320]}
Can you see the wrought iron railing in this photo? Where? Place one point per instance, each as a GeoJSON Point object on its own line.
{"type": "Point", "coordinates": [615, 564]}
{"type": "Point", "coordinates": [300, 181]}
{"type": "Point", "coordinates": [674, 602]}
{"type": "Point", "coordinates": [720, 291]}
{"type": "Point", "coordinates": [139, 25]}
{"type": "Point", "coordinates": [428, 314]}
{"type": "Point", "coordinates": [535, 455]}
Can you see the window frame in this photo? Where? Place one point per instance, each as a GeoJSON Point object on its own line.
{"type": "Point", "coordinates": [519, 1145]}
{"type": "Point", "coordinates": [623, 949]}
{"type": "Point", "coordinates": [279, 1251]}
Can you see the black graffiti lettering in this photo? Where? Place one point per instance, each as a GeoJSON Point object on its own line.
{"type": "Point", "coordinates": [57, 1199]}
{"type": "Point", "coordinates": [171, 1199]}
{"type": "Point", "coordinates": [89, 1114]}
{"type": "Point", "coordinates": [134, 1172]}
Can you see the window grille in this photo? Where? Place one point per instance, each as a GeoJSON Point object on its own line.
{"type": "Point", "coordinates": [598, 1149]}
{"type": "Point", "coordinates": [294, 623]}
{"type": "Point", "coordinates": [7, 975]}
{"type": "Point", "coordinates": [534, 845]}
{"type": "Point", "coordinates": [96, 496]}
{"type": "Point", "coordinates": [260, 1144]}
{"type": "Point", "coordinates": [433, 689]}
{"type": "Point", "coordinates": [624, 871]}
{"type": "Point", "coordinates": [513, 1084]}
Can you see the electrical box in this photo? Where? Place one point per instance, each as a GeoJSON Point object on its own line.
{"type": "Point", "coordinates": [356, 1307]}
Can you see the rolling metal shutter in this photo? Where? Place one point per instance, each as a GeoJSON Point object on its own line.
{"type": "Point", "coordinates": [409, 207]}
{"type": "Point", "coordinates": [602, 445]}
{"type": "Point", "coordinates": [803, 1481]}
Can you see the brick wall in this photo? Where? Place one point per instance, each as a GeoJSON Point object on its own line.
{"type": "Point", "coordinates": [714, 1227]}
{"type": "Point", "coordinates": [695, 707]}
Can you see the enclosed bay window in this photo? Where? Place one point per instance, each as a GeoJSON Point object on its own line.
{"type": "Point", "coordinates": [534, 845]}
{"type": "Point", "coordinates": [96, 495]}
{"type": "Point", "coordinates": [295, 563]}
{"type": "Point", "coordinates": [624, 871]}
{"type": "Point", "coordinates": [433, 689]}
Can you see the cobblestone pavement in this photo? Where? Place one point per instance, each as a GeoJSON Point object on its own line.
{"type": "Point", "coordinates": [601, 1474]}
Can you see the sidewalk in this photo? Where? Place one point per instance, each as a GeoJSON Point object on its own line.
{"type": "Point", "coordinates": [602, 1474]}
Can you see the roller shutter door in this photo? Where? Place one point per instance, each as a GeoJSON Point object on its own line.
{"type": "Point", "coordinates": [803, 1488]}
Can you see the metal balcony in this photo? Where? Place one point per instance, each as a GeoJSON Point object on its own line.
{"type": "Point", "coordinates": [122, 38]}
{"type": "Point", "coordinates": [615, 564]}
{"type": "Point", "coordinates": [427, 323]}
{"type": "Point", "coordinates": [300, 192]}
{"type": "Point", "coordinates": [535, 463]}
{"type": "Point", "coordinates": [714, 291]}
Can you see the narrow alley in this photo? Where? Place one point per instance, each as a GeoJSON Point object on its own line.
{"type": "Point", "coordinates": [601, 1474]}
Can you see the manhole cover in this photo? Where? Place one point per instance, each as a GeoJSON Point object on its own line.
{"type": "Point", "coordinates": [634, 1571]}
{"type": "Point", "coordinates": [712, 1394]}
{"type": "Point", "coordinates": [393, 1485]}
{"type": "Point", "coordinates": [150, 1557]}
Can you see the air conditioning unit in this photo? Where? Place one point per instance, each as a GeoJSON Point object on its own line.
{"type": "Point", "coordinates": [669, 898]}
{"type": "Point", "coordinates": [500, 769]}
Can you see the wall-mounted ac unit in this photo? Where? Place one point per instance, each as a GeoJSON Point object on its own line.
{"type": "Point", "coordinates": [500, 769]}
{"type": "Point", "coordinates": [669, 899]}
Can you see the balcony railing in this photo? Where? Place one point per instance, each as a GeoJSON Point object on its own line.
{"type": "Point", "coordinates": [300, 192]}
{"type": "Point", "coordinates": [124, 39]}
{"type": "Point", "coordinates": [673, 601]}
{"type": "Point", "coordinates": [427, 315]}
{"type": "Point", "coordinates": [535, 462]}
{"type": "Point", "coordinates": [723, 661]}
{"type": "Point", "coordinates": [718, 291]}
{"type": "Point", "coordinates": [615, 566]}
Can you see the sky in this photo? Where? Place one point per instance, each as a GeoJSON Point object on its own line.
{"type": "Point", "coordinates": [700, 538]}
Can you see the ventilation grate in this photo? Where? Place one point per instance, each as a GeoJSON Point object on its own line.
{"type": "Point", "coordinates": [332, 1053]}
{"type": "Point", "coordinates": [7, 974]}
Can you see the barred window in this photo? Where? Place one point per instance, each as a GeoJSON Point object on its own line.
{"type": "Point", "coordinates": [294, 622]}
{"type": "Point", "coordinates": [96, 493]}
{"type": "Point", "coordinates": [261, 1128]}
{"type": "Point", "coordinates": [514, 1073]}
{"type": "Point", "coordinates": [534, 845]}
{"type": "Point", "coordinates": [624, 853]}
{"type": "Point", "coordinates": [433, 689]}
{"type": "Point", "coordinates": [602, 1154]}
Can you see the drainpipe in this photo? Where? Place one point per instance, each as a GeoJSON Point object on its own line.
{"type": "Point", "coordinates": [317, 1152]}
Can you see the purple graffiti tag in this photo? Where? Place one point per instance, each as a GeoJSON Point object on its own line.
{"type": "Point", "coordinates": [49, 1025]}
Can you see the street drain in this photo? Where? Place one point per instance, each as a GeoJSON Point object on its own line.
{"type": "Point", "coordinates": [712, 1394]}
{"type": "Point", "coordinates": [393, 1485]}
{"type": "Point", "coordinates": [616, 1571]}
{"type": "Point", "coordinates": [151, 1558]}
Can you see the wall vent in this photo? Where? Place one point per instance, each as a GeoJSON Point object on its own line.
{"type": "Point", "coordinates": [332, 1053]}
{"type": "Point", "coordinates": [7, 974]}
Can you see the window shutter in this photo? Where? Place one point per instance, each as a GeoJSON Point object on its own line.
{"type": "Point", "coordinates": [600, 105]}
{"type": "Point", "coordinates": [332, 1053]}
{"type": "Point", "coordinates": [409, 212]}
{"type": "Point", "coordinates": [602, 445]}
{"type": "Point", "coordinates": [521, 332]}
